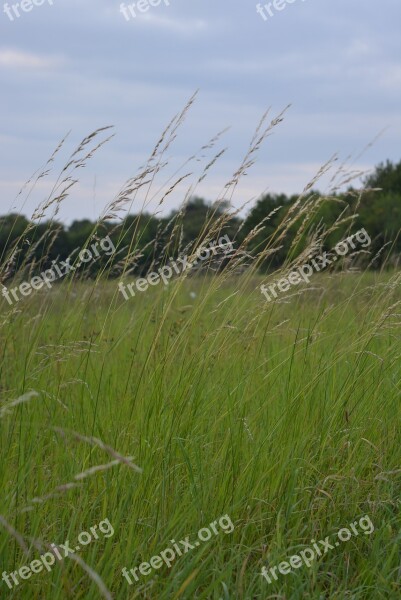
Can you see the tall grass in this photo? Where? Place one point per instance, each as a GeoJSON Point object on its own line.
{"type": "Point", "coordinates": [195, 400]}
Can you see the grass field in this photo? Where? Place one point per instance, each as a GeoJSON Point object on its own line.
{"type": "Point", "coordinates": [284, 417]}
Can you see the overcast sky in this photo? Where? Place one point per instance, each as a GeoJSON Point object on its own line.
{"type": "Point", "coordinates": [78, 65]}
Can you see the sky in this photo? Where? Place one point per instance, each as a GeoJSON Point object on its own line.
{"type": "Point", "coordinates": [69, 66]}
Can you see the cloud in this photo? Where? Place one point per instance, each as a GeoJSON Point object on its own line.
{"type": "Point", "coordinates": [17, 59]}
{"type": "Point", "coordinates": [182, 26]}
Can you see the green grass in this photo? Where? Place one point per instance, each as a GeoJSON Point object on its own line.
{"type": "Point", "coordinates": [284, 416]}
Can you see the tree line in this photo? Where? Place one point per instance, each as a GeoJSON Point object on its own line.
{"type": "Point", "coordinates": [377, 209]}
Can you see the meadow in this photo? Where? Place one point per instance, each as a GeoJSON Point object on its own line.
{"type": "Point", "coordinates": [152, 418]}
{"type": "Point", "coordinates": [283, 416]}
